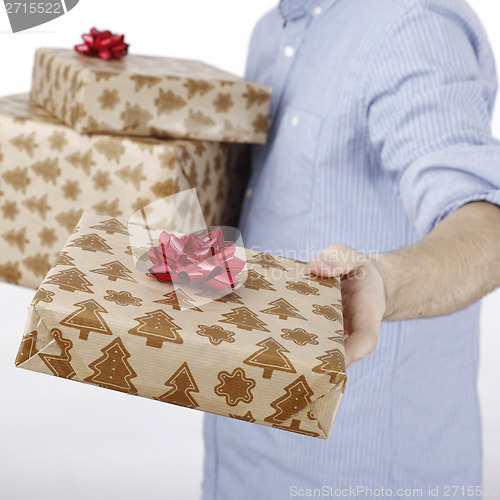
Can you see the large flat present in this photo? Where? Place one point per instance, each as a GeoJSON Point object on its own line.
{"type": "Point", "coordinates": [271, 352]}
{"type": "Point", "coordinates": [150, 96]}
{"type": "Point", "coordinates": [49, 174]}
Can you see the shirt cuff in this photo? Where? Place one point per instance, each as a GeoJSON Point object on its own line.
{"type": "Point", "coordinates": [437, 184]}
{"type": "Point", "coordinates": [490, 197]}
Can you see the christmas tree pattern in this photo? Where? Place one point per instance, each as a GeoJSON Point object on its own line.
{"type": "Point", "coordinates": [48, 169]}
{"type": "Point", "coordinates": [295, 427]}
{"type": "Point", "coordinates": [71, 280]}
{"type": "Point", "coordinates": [132, 175]}
{"type": "Point", "coordinates": [111, 226]}
{"type": "Point", "coordinates": [91, 243]}
{"type": "Point", "coordinates": [230, 297]}
{"type": "Point", "coordinates": [115, 271]}
{"type": "Point", "coordinates": [331, 312]}
{"type": "Point", "coordinates": [110, 207]}
{"type": "Point", "coordinates": [178, 300]}
{"type": "Point", "coordinates": [28, 348]}
{"type": "Point", "coordinates": [266, 261]}
{"type": "Point", "coordinates": [245, 319]}
{"type": "Point", "coordinates": [282, 309]}
{"type": "Point", "coordinates": [25, 143]}
{"type": "Point", "coordinates": [38, 264]}
{"type": "Point", "coordinates": [60, 365]}
{"type": "Point", "coordinates": [87, 318]}
{"type": "Point", "coordinates": [332, 363]}
{"type": "Point", "coordinates": [302, 287]}
{"type": "Point", "coordinates": [38, 205]}
{"type": "Point", "coordinates": [82, 160]}
{"type": "Point", "coordinates": [42, 295]}
{"type": "Point", "coordinates": [112, 370]}
{"type": "Point", "coordinates": [182, 384]}
{"type": "Point", "coordinates": [255, 96]}
{"type": "Point", "coordinates": [18, 178]}
{"type": "Point", "coordinates": [247, 417]}
{"type": "Point", "coordinates": [16, 238]}
{"type": "Point", "coordinates": [158, 327]}
{"type": "Point", "coordinates": [339, 339]}
{"type": "Point", "coordinates": [297, 396]}
{"type": "Point", "coordinates": [256, 281]}
{"type": "Point", "coordinates": [64, 259]}
{"type": "Point", "coordinates": [299, 336]}
{"type": "Point", "coordinates": [69, 219]}
{"type": "Point", "coordinates": [270, 358]}
{"type": "Point", "coordinates": [144, 81]}
{"type": "Point", "coordinates": [235, 387]}
{"type": "Point", "coordinates": [215, 333]}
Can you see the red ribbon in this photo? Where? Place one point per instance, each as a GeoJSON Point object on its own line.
{"type": "Point", "coordinates": [103, 44]}
{"type": "Point", "coordinates": [202, 258]}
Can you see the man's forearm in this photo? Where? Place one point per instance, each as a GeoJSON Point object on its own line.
{"type": "Point", "coordinates": [457, 263]}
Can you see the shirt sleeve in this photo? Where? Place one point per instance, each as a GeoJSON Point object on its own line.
{"type": "Point", "coordinates": [431, 88]}
{"type": "Point", "coordinates": [255, 38]}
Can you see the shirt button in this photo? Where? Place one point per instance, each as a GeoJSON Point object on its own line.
{"type": "Point", "coordinates": [317, 11]}
{"type": "Point", "coordinates": [289, 51]}
{"type": "Point", "coordinates": [249, 193]}
{"type": "Point", "coordinates": [295, 121]}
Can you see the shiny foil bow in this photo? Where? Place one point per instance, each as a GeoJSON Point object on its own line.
{"type": "Point", "coordinates": [103, 44]}
{"type": "Point", "coordinates": [201, 258]}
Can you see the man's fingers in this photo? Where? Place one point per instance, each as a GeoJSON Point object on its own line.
{"type": "Point", "coordinates": [363, 317]}
{"type": "Point", "coordinates": [363, 297]}
{"type": "Point", "coordinates": [336, 260]}
{"type": "Point", "coordinates": [358, 345]}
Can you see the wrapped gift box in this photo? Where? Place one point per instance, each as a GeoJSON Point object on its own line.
{"type": "Point", "coordinates": [150, 96]}
{"type": "Point", "coordinates": [49, 174]}
{"type": "Point", "coordinates": [270, 352]}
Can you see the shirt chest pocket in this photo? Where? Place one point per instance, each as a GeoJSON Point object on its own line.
{"type": "Point", "coordinates": [288, 177]}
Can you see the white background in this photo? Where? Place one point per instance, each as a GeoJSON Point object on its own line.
{"type": "Point", "coordinates": [62, 440]}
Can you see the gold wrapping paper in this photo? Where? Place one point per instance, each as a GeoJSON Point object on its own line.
{"type": "Point", "coordinates": [150, 96]}
{"type": "Point", "coordinates": [271, 352]}
{"type": "Point", "coordinates": [49, 174]}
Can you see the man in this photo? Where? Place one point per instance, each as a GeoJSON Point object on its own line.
{"type": "Point", "coordinates": [379, 140]}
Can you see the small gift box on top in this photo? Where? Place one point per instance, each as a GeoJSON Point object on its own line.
{"type": "Point", "coordinates": [50, 174]}
{"type": "Point", "coordinates": [150, 96]}
{"type": "Point", "coordinates": [268, 351]}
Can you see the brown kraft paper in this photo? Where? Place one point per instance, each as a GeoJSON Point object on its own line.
{"type": "Point", "coordinates": [150, 96]}
{"type": "Point", "coordinates": [49, 175]}
{"type": "Point", "coordinates": [271, 352]}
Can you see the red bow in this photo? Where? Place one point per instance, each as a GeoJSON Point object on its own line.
{"type": "Point", "coordinates": [103, 44]}
{"type": "Point", "coordinates": [201, 258]}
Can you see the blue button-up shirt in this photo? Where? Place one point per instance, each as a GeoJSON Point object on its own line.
{"type": "Point", "coordinates": [379, 128]}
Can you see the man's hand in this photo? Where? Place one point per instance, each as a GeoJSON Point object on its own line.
{"type": "Point", "coordinates": [457, 263]}
{"type": "Point", "coordinates": [363, 297]}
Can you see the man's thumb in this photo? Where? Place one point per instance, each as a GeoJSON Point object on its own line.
{"type": "Point", "coordinates": [336, 260]}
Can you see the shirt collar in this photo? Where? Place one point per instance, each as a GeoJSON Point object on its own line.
{"type": "Point", "coordinates": [291, 10]}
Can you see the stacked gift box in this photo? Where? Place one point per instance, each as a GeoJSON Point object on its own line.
{"type": "Point", "coordinates": [181, 317]}
{"type": "Point", "coordinates": [112, 136]}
